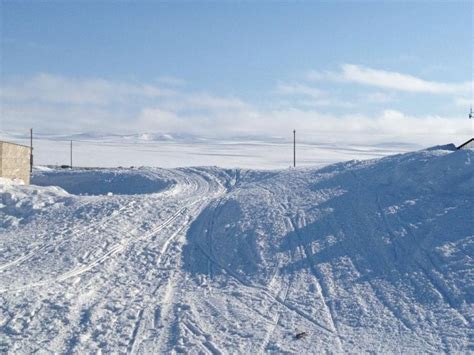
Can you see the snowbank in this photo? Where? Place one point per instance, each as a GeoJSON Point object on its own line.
{"type": "Point", "coordinates": [19, 202]}
{"type": "Point", "coordinates": [103, 181]}
{"type": "Point", "coordinates": [385, 245]}
{"type": "Point", "coordinates": [352, 203]}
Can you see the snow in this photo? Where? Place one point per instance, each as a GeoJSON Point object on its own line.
{"type": "Point", "coordinates": [18, 202]}
{"type": "Point", "coordinates": [103, 181]}
{"type": "Point", "coordinates": [171, 151]}
{"type": "Point", "coordinates": [363, 256]}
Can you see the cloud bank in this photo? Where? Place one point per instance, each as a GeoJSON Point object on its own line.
{"type": "Point", "coordinates": [58, 104]}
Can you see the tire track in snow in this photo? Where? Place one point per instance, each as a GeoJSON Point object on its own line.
{"type": "Point", "coordinates": [435, 284]}
{"type": "Point", "coordinates": [75, 233]}
{"type": "Point", "coordinates": [162, 310]}
{"type": "Point", "coordinates": [268, 293]}
{"type": "Point", "coordinates": [323, 291]}
{"type": "Point", "coordinates": [276, 321]}
{"type": "Point", "coordinates": [197, 331]}
{"type": "Point", "coordinates": [22, 258]}
{"type": "Point", "coordinates": [157, 313]}
{"type": "Point", "coordinates": [115, 249]}
{"type": "Point", "coordinates": [377, 293]}
{"type": "Point", "coordinates": [323, 294]}
{"type": "Point", "coordinates": [194, 193]}
{"type": "Point", "coordinates": [271, 330]}
{"type": "Point", "coordinates": [445, 296]}
{"type": "Point", "coordinates": [102, 222]}
{"type": "Point", "coordinates": [153, 314]}
{"type": "Point", "coordinates": [136, 328]}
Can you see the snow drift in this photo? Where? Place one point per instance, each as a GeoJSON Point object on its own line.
{"type": "Point", "coordinates": [18, 203]}
{"type": "Point", "coordinates": [103, 181]}
{"type": "Point", "coordinates": [385, 246]}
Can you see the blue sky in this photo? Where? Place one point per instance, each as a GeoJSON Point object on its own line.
{"type": "Point", "coordinates": [220, 69]}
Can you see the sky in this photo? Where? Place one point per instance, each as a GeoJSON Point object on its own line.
{"type": "Point", "coordinates": [393, 71]}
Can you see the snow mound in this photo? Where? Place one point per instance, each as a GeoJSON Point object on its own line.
{"type": "Point", "coordinates": [253, 226]}
{"type": "Point", "coordinates": [103, 181]}
{"type": "Point", "coordinates": [384, 245]}
{"type": "Point", "coordinates": [19, 202]}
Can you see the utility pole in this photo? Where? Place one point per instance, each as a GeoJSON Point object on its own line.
{"type": "Point", "coordinates": [31, 150]}
{"type": "Point", "coordinates": [71, 156]}
{"type": "Point", "coordinates": [294, 148]}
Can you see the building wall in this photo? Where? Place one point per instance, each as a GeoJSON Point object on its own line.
{"type": "Point", "coordinates": [15, 161]}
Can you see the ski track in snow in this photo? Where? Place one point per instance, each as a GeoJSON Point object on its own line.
{"type": "Point", "coordinates": [236, 261]}
{"type": "Point", "coordinates": [101, 223]}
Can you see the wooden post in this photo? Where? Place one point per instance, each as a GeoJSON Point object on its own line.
{"type": "Point", "coordinates": [294, 148]}
{"type": "Point", "coordinates": [31, 150]}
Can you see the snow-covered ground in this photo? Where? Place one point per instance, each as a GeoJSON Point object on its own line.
{"type": "Point", "coordinates": [372, 255]}
{"type": "Point", "coordinates": [175, 151]}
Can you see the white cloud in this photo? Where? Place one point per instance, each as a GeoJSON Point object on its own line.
{"type": "Point", "coordinates": [298, 89]}
{"type": "Point", "coordinates": [59, 104]}
{"type": "Point", "coordinates": [60, 118]}
{"type": "Point", "coordinates": [305, 96]}
{"type": "Point", "coordinates": [156, 119]}
{"type": "Point", "coordinates": [312, 125]}
{"type": "Point", "coordinates": [207, 101]}
{"type": "Point", "coordinates": [62, 90]}
{"type": "Point", "coordinates": [389, 80]}
{"type": "Point", "coordinates": [54, 104]}
{"type": "Point", "coordinates": [379, 97]}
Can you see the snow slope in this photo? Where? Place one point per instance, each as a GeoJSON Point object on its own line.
{"type": "Point", "coordinates": [362, 256]}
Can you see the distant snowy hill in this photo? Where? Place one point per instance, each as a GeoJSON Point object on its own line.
{"type": "Point", "coordinates": [362, 256]}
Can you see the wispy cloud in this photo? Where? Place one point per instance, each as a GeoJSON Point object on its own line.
{"type": "Point", "coordinates": [57, 103]}
{"type": "Point", "coordinates": [389, 80]}
{"type": "Point", "coordinates": [213, 102]}
{"type": "Point", "coordinates": [298, 89]}
{"type": "Point", "coordinates": [63, 90]}
{"type": "Point", "coordinates": [379, 97]}
{"type": "Point", "coordinates": [303, 95]}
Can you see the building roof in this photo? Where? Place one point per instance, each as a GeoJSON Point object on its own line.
{"type": "Point", "coordinates": [21, 145]}
{"type": "Point", "coordinates": [466, 143]}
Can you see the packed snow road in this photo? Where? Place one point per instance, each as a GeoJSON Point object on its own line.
{"type": "Point", "coordinates": [96, 272]}
{"type": "Point", "coordinates": [357, 256]}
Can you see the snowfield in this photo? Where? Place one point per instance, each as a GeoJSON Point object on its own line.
{"type": "Point", "coordinates": [362, 256]}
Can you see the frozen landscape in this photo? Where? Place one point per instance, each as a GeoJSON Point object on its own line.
{"type": "Point", "coordinates": [362, 256]}
{"type": "Point", "coordinates": [173, 150]}
{"type": "Point", "coordinates": [150, 201]}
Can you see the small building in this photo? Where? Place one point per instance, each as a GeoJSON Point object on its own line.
{"type": "Point", "coordinates": [15, 161]}
{"type": "Point", "coordinates": [467, 145]}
